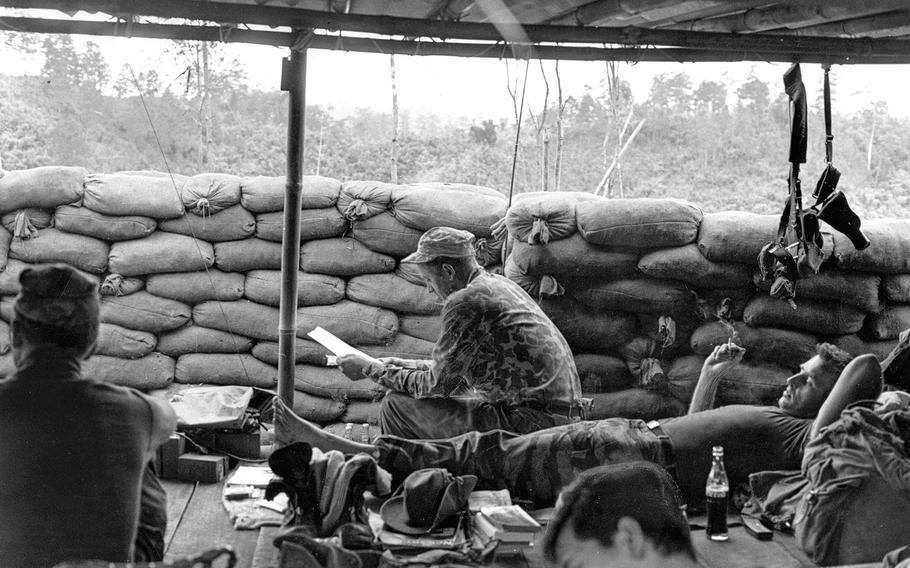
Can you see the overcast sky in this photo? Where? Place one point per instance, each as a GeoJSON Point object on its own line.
{"type": "Point", "coordinates": [476, 88]}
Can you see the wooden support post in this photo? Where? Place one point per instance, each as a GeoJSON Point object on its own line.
{"type": "Point", "coordinates": [293, 80]}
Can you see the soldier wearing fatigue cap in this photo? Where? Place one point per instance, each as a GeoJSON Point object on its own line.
{"type": "Point", "coordinates": [499, 363]}
{"type": "Point", "coordinates": [73, 451]}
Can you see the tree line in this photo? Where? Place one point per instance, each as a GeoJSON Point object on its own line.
{"type": "Point", "coordinates": [721, 146]}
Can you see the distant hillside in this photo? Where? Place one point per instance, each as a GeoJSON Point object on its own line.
{"type": "Point", "coordinates": [720, 158]}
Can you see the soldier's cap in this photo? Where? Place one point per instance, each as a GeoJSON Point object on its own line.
{"type": "Point", "coordinates": [442, 242]}
{"type": "Point", "coordinates": [57, 295]}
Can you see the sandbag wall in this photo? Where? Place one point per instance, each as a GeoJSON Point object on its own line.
{"type": "Point", "coordinates": [644, 289]}
{"type": "Point", "coordinates": [189, 272]}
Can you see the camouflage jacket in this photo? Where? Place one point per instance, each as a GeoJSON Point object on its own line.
{"type": "Point", "coordinates": [496, 344]}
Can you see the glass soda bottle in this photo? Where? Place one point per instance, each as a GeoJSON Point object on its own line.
{"type": "Point", "coordinates": [717, 493]}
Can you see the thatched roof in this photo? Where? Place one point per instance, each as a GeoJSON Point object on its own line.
{"type": "Point", "coordinates": [832, 31]}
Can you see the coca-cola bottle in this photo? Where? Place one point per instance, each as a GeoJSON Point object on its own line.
{"type": "Point", "coordinates": [717, 493]}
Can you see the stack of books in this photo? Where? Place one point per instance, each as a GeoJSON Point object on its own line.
{"type": "Point", "coordinates": [509, 524]}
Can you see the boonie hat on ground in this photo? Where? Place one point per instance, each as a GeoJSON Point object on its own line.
{"type": "Point", "coordinates": [426, 499]}
{"type": "Point", "coordinates": [442, 241]}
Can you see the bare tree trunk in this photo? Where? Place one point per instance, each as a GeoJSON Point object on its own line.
{"type": "Point", "coordinates": [206, 105]}
{"type": "Point", "coordinates": [319, 150]}
{"type": "Point", "coordinates": [546, 161]}
{"type": "Point", "coordinates": [869, 145]}
{"type": "Point", "coordinates": [540, 124]}
{"type": "Point", "coordinates": [560, 135]}
{"type": "Point", "coordinates": [394, 121]}
{"type": "Point", "coordinates": [513, 91]}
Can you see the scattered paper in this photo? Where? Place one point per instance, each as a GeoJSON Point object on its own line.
{"type": "Point", "coordinates": [331, 342]}
{"type": "Point", "coordinates": [487, 498]}
{"type": "Point", "coordinates": [251, 475]}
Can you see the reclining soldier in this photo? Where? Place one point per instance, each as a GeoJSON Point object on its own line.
{"type": "Point", "coordinates": [535, 466]}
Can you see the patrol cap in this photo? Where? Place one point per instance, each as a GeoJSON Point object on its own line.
{"type": "Point", "coordinates": [57, 295]}
{"type": "Point", "coordinates": [442, 241]}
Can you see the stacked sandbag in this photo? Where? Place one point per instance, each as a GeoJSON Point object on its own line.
{"type": "Point", "coordinates": [614, 278]}
{"type": "Point", "coordinates": [642, 289]}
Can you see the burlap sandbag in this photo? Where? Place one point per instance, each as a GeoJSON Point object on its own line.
{"type": "Point", "coordinates": [361, 200]}
{"type": "Point", "coordinates": [602, 373]}
{"type": "Point", "coordinates": [25, 223]}
{"type": "Point", "coordinates": [638, 295]}
{"type": "Point", "coordinates": [178, 179]}
{"type": "Point", "coordinates": [314, 224]}
{"type": "Point", "coordinates": [84, 221]}
{"type": "Point", "coordinates": [118, 194]}
{"type": "Point", "coordinates": [360, 412]}
{"type": "Point", "coordinates": [47, 187]}
{"type": "Point", "coordinates": [9, 278]}
{"type": "Point", "coordinates": [488, 251]}
{"type": "Point", "coordinates": [688, 265]}
{"type": "Point", "coordinates": [428, 328]}
{"type": "Point", "coordinates": [194, 287]}
{"type": "Point", "coordinates": [896, 288]}
{"type": "Point", "coordinates": [573, 257]}
{"type": "Point", "coordinates": [735, 236]}
{"type": "Point", "coordinates": [821, 318]}
{"type": "Point", "coordinates": [264, 287]}
{"type": "Point", "coordinates": [725, 303]}
{"type": "Point", "coordinates": [642, 223]}
{"type": "Point", "coordinates": [248, 254]}
{"type": "Point", "coordinates": [330, 382]}
{"type": "Point", "coordinates": [241, 317]}
{"type": "Point", "coordinates": [889, 323]}
{"type": "Point", "coordinates": [198, 339]}
{"type": "Point", "coordinates": [6, 238]}
{"type": "Point", "coordinates": [240, 369]}
{"type": "Point", "coordinates": [356, 323]}
{"type": "Point", "coordinates": [634, 404]}
{"type": "Point", "coordinates": [586, 329]}
{"type": "Point", "coordinates": [266, 194]}
{"type": "Point", "coordinates": [535, 285]}
{"type": "Point", "coordinates": [159, 253]}
{"type": "Point", "coordinates": [424, 206]}
{"type": "Point", "coordinates": [542, 216]}
{"type": "Point", "coordinates": [854, 345]}
{"type": "Point", "coordinates": [144, 311]}
{"type": "Point", "coordinates": [854, 288]}
{"type": "Point", "coordinates": [386, 234]}
{"type": "Point", "coordinates": [746, 383]}
{"type": "Point", "coordinates": [671, 340]}
{"type": "Point", "coordinates": [647, 362]}
{"type": "Point", "coordinates": [403, 346]}
{"type": "Point", "coordinates": [117, 285]}
{"type": "Point", "coordinates": [52, 245]}
{"type": "Point", "coordinates": [784, 347]}
{"type": "Point", "coordinates": [317, 409]}
{"type": "Point", "coordinates": [393, 293]}
{"type": "Point", "coordinates": [231, 224]}
{"type": "Point", "coordinates": [342, 257]}
{"type": "Point", "coordinates": [305, 351]}
{"type": "Point", "coordinates": [154, 371]}
{"type": "Point", "coordinates": [6, 308]}
{"type": "Point", "coordinates": [118, 341]}
{"type": "Point", "coordinates": [889, 252]}
{"type": "Point", "coordinates": [4, 338]}
{"type": "Point", "coordinates": [207, 194]}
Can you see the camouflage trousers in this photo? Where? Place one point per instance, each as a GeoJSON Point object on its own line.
{"type": "Point", "coordinates": [533, 467]}
{"type": "Point", "coordinates": [433, 418]}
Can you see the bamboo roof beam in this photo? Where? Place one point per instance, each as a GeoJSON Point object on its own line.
{"type": "Point", "coordinates": [629, 12]}
{"type": "Point", "coordinates": [629, 36]}
{"type": "Point", "coordinates": [526, 11]}
{"type": "Point", "coordinates": [413, 47]}
{"type": "Point", "coordinates": [879, 26]}
{"type": "Point", "coordinates": [792, 16]}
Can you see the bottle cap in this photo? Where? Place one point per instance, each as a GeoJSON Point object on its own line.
{"type": "Point", "coordinates": [717, 450]}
